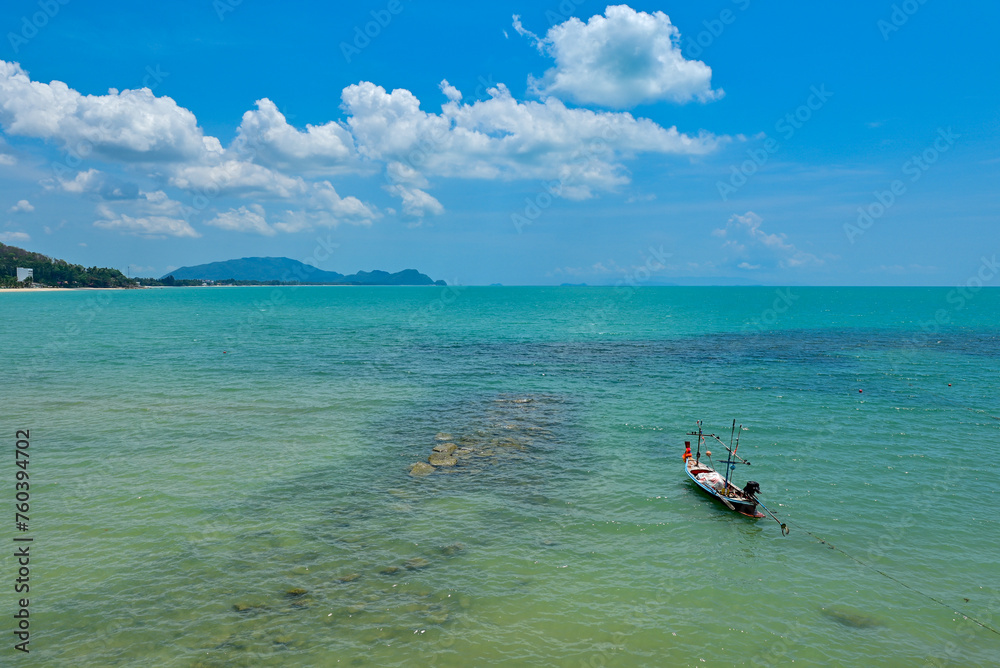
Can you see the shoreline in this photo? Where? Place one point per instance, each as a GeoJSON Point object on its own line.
{"type": "Point", "coordinates": [599, 287]}
{"type": "Point", "coordinates": [171, 287]}
{"type": "Point", "coordinates": [60, 289]}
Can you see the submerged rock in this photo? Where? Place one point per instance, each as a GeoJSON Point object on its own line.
{"type": "Point", "coordinates": [421, 469]}
{"type": "Point", "coordinates": [350, 577]}
{"type": "Point", "coordinates": [247, 608]}
{"type": "Point", "coordinates": [437, 617]}
{"type": "Point", "coordinates": [296, 592]}
{"type": "Point", "coordinates": [441, 459]}
{"type": "Point", "coordinates": [389, 570]}
{"type": "Point", "coordinates": [507, 429]}
{"type": "Point", "coordinates": [416, 563]}
{"type": "Point", "coordinates": [852, 618]}
{"type": "Point", "coordinates": [453, 549]}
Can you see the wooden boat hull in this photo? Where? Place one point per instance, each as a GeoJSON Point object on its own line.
{"type": "Point", "coordinates": [734, 500]}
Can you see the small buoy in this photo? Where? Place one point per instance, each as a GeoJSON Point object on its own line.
{"type": "Point", "coordinates": [860, 391]}
{"type": "Point", "coordinates": [949, 384]}
{"type": "Point", "coordinates": [708, 452]}
{"type": "Point", "coordinates": [223, 352]}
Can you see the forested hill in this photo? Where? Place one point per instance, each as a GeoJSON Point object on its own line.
{"type": "Point", "coordinates": [56, 273]}
{"type": "Point", "coordinates": [285, 270]}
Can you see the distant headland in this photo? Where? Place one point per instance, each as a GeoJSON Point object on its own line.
{"type": "Point", "coordinates": [53, 273]}
{"type": "Point", "coordinates": [269, 270]}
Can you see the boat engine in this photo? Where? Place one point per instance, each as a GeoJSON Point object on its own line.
{"type": "Point", "coordinates": [751, 488]}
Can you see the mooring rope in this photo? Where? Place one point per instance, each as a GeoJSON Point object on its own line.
{"type": "Point", "coordinates": [900, 582]}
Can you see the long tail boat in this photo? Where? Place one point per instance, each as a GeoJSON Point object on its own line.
{"type": "Point", "coordinates": [718, 485]}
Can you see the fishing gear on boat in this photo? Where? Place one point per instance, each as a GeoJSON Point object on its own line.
{"type": "Point", "coordinates": [730, 450]}
{"type": "Point", "coordinates": [730, 464]}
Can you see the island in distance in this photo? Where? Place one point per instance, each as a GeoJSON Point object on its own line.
{"type": "Point", "coordinates": [285, 270]}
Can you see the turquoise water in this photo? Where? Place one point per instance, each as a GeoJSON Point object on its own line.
{"type": "Point", "coordinates": [201, 455]}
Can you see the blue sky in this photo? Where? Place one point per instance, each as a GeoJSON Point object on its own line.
{"type": "Point", "coordinates": [734, 141]}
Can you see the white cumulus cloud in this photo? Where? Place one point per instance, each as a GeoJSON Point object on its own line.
{"type": "Point", "coordinates": [245, 219]}
{"type": "Point", "coordinates": [503, 138]}
{"type": "Point", "coordinates": [324, 197]}
{"type": "Point", "coordinates": [152, 215]}
{"type": "Point", "coordinates": [266, 135]}
{"type": "Point", "coordinates": [416, 202]}
{"type": "Point", "coordinates": [148, 226]}
{"type": "Point", "coordinates": [324, 207]}
{"type": "Point", "coordinates": [86, 181]}
{"type": "Point", "coordinates": [97, 183]}
{"type": "Point", "coordinates": [751, 247]}
{"type": "Point", "coordinates": [619, 60]}
{"type": "Point", "coordinates": [14, 237]}
{"type": "Point", "coordinates": [231, 176]}
{"type": "Point", "coordinates": [130, 125]}
{"type": "Point", "coordinates": [577, 153]}
{"type": "Point", "coordinates": [22, 206]}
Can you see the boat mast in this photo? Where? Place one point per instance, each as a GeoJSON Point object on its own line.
{"type": "Point", "coordinates": [729, 460]}
{"type": "Point", "coordinates": [697, 457]}
{"type": "Point", "coordinates": [730, 464]}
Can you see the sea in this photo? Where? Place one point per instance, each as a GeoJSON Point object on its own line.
{"type": "Point", "coordinates": [221, 476]}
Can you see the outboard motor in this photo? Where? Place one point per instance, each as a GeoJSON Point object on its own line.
{"type": "Point", "coordinates": [751, 489]}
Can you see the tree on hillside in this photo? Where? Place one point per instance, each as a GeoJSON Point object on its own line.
{"type": "Point", "coordinates": [48, 271]}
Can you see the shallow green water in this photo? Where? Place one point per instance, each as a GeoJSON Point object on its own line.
{"type": "Point", "coordinates": [179, 492]}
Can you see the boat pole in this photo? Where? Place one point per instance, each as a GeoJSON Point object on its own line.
{"type": "Point", "coordinates": [784, 527]}
{"type": "Point", "coordinates": [697, 457]}
{"type": "Point", "coordinates": [730, 464]}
